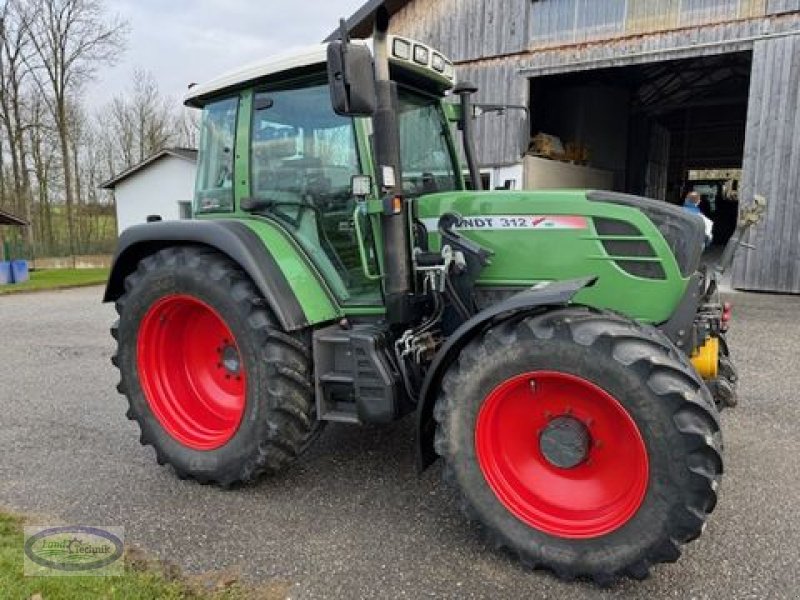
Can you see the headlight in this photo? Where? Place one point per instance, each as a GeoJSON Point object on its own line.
{"type": "Point", "coordinates": [438, 62]}
{"type": "Point", "coordinates": [402, 49]}
{"type": "Point", "coordinates": [449, 70]}
{"type": "Point", "coordinates": [421, 55]}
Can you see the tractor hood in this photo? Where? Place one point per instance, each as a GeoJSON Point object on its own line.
{"type": "Point", "coordinates": [627, 242]}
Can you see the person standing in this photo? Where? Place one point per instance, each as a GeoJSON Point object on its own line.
{"type": "Point", "coordinates": [692, 204]}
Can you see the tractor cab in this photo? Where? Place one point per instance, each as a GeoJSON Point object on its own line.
{"type": "Point", "coordinates": [272, 145]}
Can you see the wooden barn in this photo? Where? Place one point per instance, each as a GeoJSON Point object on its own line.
{"type": "Point", "coordinates": [661, 96]}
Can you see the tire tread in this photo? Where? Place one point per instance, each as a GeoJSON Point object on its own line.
{"type": "Point", "coordinates": [666, 372]}
{"type": "Point", "coordinates": [290, 415]}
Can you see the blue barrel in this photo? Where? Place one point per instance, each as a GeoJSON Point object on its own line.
{"type": "Point", "coordinates": [19, 271]}
{"type": "Point", "coordinates": [5, 272]}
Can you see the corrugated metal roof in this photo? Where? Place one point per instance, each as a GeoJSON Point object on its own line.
{"type": "Point", "coordinates": [189, 154]}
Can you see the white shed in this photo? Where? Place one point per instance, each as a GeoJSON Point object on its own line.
{"type": "Point", "coordinates": [162, 185]}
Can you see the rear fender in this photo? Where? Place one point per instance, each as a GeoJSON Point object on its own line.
{"type": "Point", "coordinates": [246, 248]}
{"type": "Point", "coordinates": [536, 298]}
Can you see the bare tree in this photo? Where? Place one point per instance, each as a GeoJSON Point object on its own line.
{"type": "Point", "coordinates": [14, 50]}
{"type": "Point", "coordinates": [71, 39]}
{"type": "Point", "coordinates": [187, 127]}
{"type": "Point", "coordinates": [43, 144]}
{"type": "Point", "coordinates": [153, 114]}
{"type": "Point", "coordinates": [139, 123]}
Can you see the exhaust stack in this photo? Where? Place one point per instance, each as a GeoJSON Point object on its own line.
{"type": "Point", "coordinates": [464, 91]}
{"type": "Point", "coordinates": [395, 219]}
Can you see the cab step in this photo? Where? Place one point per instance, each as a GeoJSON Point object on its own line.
{"type": "Point", "coordinates": [354, 375]}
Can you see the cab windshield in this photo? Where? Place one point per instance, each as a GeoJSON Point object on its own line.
{"type": "Point", "coordinates": [425, 151]}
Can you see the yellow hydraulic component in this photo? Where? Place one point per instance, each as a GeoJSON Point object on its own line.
{"type": "Point", "coordinates": [706, 358]}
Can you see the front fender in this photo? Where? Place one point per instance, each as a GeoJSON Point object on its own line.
{"type": "Point", "coordinates": [288, 283]}
{"type": "Point", "coordinates": [538, 297]}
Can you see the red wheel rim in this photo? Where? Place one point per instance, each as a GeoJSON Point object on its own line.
{"type": "Point", "coordinates": [191, 371]}
{"type": "Point", "coordinates": [590, 499]}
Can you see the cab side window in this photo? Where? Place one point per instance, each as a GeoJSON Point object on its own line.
{"type": "Point", "coordinates": [301, 149]}
{"type": "Point", "coordinates": [214, 189]}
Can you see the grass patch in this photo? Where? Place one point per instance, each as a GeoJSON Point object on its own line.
{"type": "Point", "coordinates": [53, 279]}
{"type": "Point", "coordinates": [143, 579]}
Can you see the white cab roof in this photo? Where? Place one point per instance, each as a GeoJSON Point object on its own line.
{"type": "Point", "coordinates": [305, 57]}
{"type": "Point", "coordinates": [297, 59]}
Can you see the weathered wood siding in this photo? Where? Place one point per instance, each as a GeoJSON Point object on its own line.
{"type": "Point", "coordinates": [560, 22]}
{"type": "Point", "coordinates": [466, 29]}
{"type": "Point", "coordinates": [772, 168]}
{"type": "Point", "coordinates": [779, 6]}
{"type": "Point", "coordinates": [472, 29]}
{"type": "Point", "coordinates": [720, 38]}
{"type": "Point", "coordinates": [498, 136]}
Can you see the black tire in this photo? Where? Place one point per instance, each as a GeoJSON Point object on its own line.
{"type": "Point", "coordinates": [278, 420]}
{"type": "Point", "coordinates": [642, 370]}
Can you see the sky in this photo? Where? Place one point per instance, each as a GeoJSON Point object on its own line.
{"type": "Point", "coordinates": [185, 41]}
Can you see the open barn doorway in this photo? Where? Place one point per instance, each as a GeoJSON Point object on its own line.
{"type": "Point", "coordinates": [660, 129]}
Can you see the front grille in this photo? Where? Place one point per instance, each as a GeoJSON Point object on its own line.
{"type": "Point", "coordinates": [648, 270]}
{"type": "Point", "coordinates": [605, 226]}
{"type": "Point", "coordinates": [683, 231]}
{"type": "Point", "coordinates": [629, 248]}
{"type": "Point", "coordinates": [622, 251]}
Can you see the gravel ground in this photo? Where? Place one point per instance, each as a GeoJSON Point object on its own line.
{"type": "Point", "coordinates": [353, 519]}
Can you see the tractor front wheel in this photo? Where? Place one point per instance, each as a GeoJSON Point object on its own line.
{"type": "Point", "coordinates": [580, 441]}
{"type": "Point", "coordinates": [217, 388]}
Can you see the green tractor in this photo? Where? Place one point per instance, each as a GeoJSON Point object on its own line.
{"type": "Point", "coordinates": [562, 351]}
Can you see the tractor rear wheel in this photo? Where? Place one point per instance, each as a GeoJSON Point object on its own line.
{"type": "Point", "coordinates": [582, 442]}
{"type": "Point", "coordinates": [217, 388]}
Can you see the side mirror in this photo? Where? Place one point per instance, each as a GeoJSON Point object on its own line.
{"type": "Point", "coordinates": [351, 77]}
